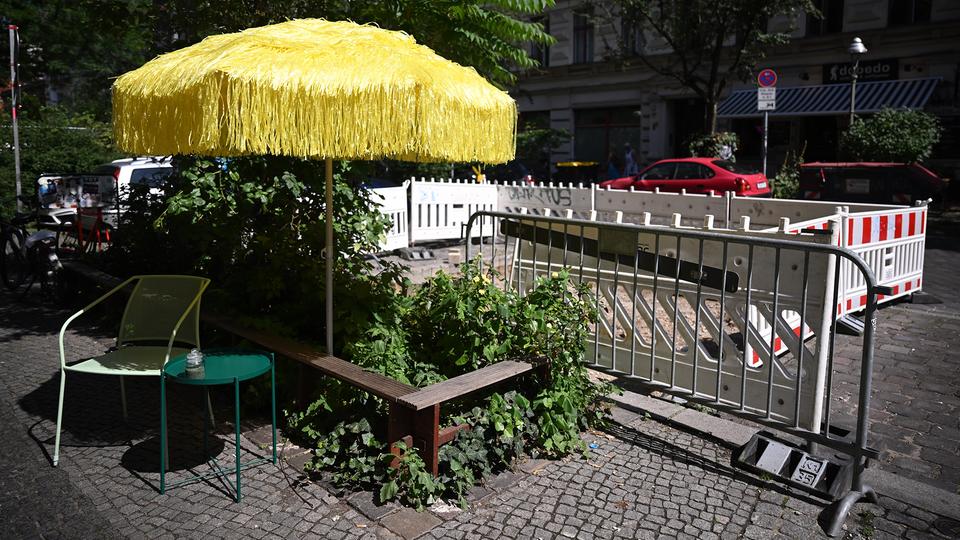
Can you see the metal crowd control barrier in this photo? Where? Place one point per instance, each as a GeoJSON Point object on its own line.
{"type": "Point", "coordinates": [685, 311]}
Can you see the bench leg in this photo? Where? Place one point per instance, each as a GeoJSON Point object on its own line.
{"type": "Point", "coordinates": [421, 428]}
{"type": "Point", "coordinates": [426, 436]}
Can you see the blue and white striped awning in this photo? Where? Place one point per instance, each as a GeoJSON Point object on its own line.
{"type": "Point", "coordinates": [833, 98]}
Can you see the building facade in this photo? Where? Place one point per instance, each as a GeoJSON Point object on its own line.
{"type": "Point", "coordinates": [606, 99]}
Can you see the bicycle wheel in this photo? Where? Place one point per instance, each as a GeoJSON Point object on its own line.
{"type": "Point", "coordinates": [13, 266]}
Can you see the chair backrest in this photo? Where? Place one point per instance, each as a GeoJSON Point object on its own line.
{"type": "Point", "coordinates": [155, 306]}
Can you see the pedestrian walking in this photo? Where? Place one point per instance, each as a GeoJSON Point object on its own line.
{"type": "Point", "coordinates": [630, 163]}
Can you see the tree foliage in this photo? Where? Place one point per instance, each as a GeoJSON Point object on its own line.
{"type": "Point", "coordinates": [51, 140]}
{"type": "Point", "coordinates": [712, 41]}
{"type": "Point", "coordinates": [898, 135]}
{"type": "Point", "coordinates": [71, 50]}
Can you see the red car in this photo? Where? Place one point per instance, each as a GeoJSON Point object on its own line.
{"type": "Point", "coordinates": [696, 175]}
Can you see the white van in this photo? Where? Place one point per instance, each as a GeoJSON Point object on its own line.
{"type": "Point", "coordinates": [61, 194]}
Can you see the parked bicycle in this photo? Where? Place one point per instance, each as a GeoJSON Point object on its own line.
{"type": "Point", "coordinates": [29, 257]}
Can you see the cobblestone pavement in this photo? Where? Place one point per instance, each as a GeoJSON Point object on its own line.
{"type": "Point", "coordinates": [915, 408]}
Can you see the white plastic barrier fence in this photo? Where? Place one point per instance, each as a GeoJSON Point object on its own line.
{"type": "Point", "coordinates": [889, 238]}
{"type": "Point", "coordinates": [439, 210]}
{"type": "Point", "coordinates": [393, 204]}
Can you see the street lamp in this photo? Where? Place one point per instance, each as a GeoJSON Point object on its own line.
{"type": "Point", "coordinates": [856, 49]}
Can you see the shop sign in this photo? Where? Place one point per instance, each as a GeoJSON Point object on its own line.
{"type": "Point", "coordinates": [887, 69]}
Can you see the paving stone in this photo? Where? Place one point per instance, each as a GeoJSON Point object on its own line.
{"type": "Point", "coordinates": [409, 523]}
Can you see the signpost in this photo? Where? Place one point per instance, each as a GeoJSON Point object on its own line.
{"type": "Point", "coordinates": [766, 102]}
{"type": "Point", "coordinates": [14, 95]}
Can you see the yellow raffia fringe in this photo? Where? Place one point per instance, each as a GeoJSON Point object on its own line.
{"type": "Point", "coordinates": [315, 89]}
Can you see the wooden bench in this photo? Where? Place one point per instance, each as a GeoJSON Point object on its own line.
{"type": "Point", "coordinates": [414, 413]}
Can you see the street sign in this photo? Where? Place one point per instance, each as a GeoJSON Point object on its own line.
{"type": "Point", "coordinates": [767, 99]}
{"type": "Point", "coordinates": [767, 78]}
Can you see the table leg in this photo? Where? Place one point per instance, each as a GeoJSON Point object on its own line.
{"type": "Point", "coordinates": [273, 405]}
{"type": "Point", "coordinates": [206, 420]}
{"type": "Point", "coordinates": [236, 403]}
{"type": "Point", "coordinates": [163, 434]}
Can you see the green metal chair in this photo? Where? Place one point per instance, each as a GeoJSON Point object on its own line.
{"type": "Point", "coordinates": [161, 320]}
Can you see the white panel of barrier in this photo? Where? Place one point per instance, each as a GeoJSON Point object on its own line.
{"type": "Point", "coordinates": [558, 198]}
{"type": "Point", "coordinates": [393, 204]}
{"type": "Point", "coordinates": [769, 212]}
{"type": "Point", "coordinates": [439, 210]}
{"type": "Point", "coordinates": [660, 205]}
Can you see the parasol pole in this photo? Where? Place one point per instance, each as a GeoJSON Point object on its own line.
{"type": "Point", "coordinates": [330, 255]}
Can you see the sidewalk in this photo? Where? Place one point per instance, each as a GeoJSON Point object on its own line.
{"type": "Point", "coordinates": [645, 479]}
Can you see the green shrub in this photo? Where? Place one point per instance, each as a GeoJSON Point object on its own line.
{"type": "Point", "coordinates": [719, 145]}
{"type": "Point", "coordinates": [902, 136]}
{"type": "Point", "coordinates": [255, 226]}
{"type": "Point", "coordinates": [786, 184]}
{"type": "Point", "coordinates": [455, 324]}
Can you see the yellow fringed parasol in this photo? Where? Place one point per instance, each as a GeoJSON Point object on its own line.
{"type": "Point", "coordinates": [314, 89]}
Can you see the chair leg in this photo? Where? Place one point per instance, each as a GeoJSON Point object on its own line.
{"type": "Point", "coordinates": [56, 444]}
{"type": "Point", "coordinates": [123, 398]}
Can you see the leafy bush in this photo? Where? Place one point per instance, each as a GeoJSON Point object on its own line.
{"type": "Point", "coordinates": [255, 226]}
{"type": "Point", "coordinates": [786, 184]}
{"type": "Point", "coordinates": [455, 324]}
{"type": "Point", "coordinates": [720, 145]}
{"type": "Point", "coordinates": [902, 136]}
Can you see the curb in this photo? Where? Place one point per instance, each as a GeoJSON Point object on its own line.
{"type": "Point", "coordinates": [734, 435]}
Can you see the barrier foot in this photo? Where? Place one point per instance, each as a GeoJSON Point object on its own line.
{"type": "Point", "coordinates": [836, 514]}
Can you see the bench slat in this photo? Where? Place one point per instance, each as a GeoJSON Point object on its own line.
{"type": "Point", "coordinates": [375, 383]}
{"type": "Point", "coordinates": [464, 384]}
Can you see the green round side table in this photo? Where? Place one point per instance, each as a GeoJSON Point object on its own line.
{"type": "Point", "coordinates": [221, 366]}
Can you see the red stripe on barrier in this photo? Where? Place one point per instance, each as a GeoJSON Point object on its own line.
{"type": "Point", "coordinates": [884, 221]}
{"type": "Point", "coordinates": [907, 286]}
{"type": "Point", "coordinates": [850, 232]}
{"type": "Point", "coordinates": [913, 224]}
{"type": "Point", "coordinates": [865, 233]}
{"type": "Point", "coordinates": [863, 299]}
{"type": "Point", "coordinates": [849, 304]}
{"type": "Point", "coordinates": [898, 226]}
{"type": "Point", "coordinates": [923, 220]}
{"type": "Point", "coordinates": [896, 289]}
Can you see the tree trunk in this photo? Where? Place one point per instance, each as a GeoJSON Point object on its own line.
{"type": "Point", "coordinates": [710, 116]}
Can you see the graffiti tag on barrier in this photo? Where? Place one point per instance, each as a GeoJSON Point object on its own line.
{"type": "Point", "coordinates": [542, 196]}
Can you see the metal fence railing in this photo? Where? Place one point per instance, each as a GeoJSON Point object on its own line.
{"type": "Point", "coordinates": [738, 320]}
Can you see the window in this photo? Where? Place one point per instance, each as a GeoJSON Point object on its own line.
{"type": "Point", "coordinates": [831, 21]}
{"type": "Point", "coordinates": [583, 36]}
{"type": "Point", "coordinates": [692, 171]}
{"type": "Point", "coordinates": [150, 177]}
{"type": "Point", "coordinates": [904, 12]}
{"type": "Point", "coordinates": [632, 32]}
{"type": "Point", "coordinates": [735, 167]}
{"type": "Point", "coordinates": [661, 171]}
{"type": "Point", "coordinates": [601, 134]}
{"type": "Point", "coordinates": [539, 51]}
